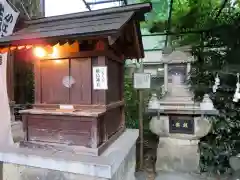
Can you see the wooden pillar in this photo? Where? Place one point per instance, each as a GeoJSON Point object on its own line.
{"type": "Point", "coordinates": [37, 82]}
{"type": "Point", "coordinates": [10, 76]}
{"type": "Point", "coordinates": [94, 134]}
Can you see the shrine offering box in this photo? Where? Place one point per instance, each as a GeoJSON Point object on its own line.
{"type": "Point", "coordinates": [79, 76]}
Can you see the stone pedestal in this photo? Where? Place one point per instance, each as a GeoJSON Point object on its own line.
{"type": "Point", "coordinates": [116, 163]}
{"type": "Point", "coordinates": [177, 155]}
{"type": "Point", "coordinates": [178, 152]}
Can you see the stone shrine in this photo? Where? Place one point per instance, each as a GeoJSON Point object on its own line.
{"type": "Point", "coordinates": [177, 119]}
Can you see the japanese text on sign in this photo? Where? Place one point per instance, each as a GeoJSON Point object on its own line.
{"type": "Point", "coordinates": [181, 124]}
{"type": "Point", "coordinates": [100, 80]}
{"type": "Point", "coordinates": [8, 18]}
{"type": "Point", "coordinates": [142, 80]}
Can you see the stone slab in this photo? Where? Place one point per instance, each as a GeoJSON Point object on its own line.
{"type": "Point", "coordinates": [180, 176]}
{"type": "Point", "coordinates": [156, 112]}
{"type": "Point", "coordinates": [116, 161]}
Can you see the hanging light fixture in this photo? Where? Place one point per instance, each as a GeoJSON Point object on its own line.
{"type": "Point", "coordinates": [40, 52]}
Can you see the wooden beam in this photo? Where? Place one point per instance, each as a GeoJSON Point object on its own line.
{"type": "Point", "coordinates": [77, 106]}
{"type": "Point", "coordinates": [10, 76]}
{"type": "Point", "coordinates": [55, 40]}
{"type": "Point", "coordinates": [85, 54]}
{"type": "Point", "coordinates": [37, 80]}
{"type": "Point", "coordinates": [137, 44]}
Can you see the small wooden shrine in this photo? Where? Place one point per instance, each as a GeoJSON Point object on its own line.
{"type": "Point", "coordinates": [79, 75]}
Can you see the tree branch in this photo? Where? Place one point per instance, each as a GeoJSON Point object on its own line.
{"type": "Point", "coordinates": [221, 8]}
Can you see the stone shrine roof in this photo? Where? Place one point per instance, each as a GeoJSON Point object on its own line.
{"type": "Point", "coordinates": [177, 57]}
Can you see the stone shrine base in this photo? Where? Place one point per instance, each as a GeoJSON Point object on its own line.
{"type": "Point", "coordinates": [116, 163]}
{"type": "Point", "coordinates": [177, 155]}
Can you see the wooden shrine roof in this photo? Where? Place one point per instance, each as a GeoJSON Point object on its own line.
{"type": "Point", "coordinates": [75, 26]}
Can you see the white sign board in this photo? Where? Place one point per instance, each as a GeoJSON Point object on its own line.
{"type": "Point", "coordinates": [8, 18]}
{"type": "Point", "coordinates": [66, 106]}
{"type": "Point", "coordinates": [100, 79]}
{"type": "Point", "coordinates": [142, 80]}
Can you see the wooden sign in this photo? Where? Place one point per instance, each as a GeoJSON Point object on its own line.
{"type": "Point", "coordinates": [100, 79]}
{"type": "Point", "coordinates": [142, 80]}
{"type": "Point", "coordinates": [181, 124]}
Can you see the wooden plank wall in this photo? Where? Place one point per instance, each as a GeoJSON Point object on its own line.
{"type": "Point", "coordinates": [51, 88]}
{"type": "Point", "coordinates": [60, 129]}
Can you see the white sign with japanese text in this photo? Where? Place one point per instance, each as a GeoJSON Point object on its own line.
{"type": "Point", "coordinates": [100, 79]}
{"type": "Point", "coordinates": [8, 18]}
{"type": "Point", "coordinates": [142, 80]}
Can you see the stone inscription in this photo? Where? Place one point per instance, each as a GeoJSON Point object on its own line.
{"type": "Point", "coordinates": [181, 124]}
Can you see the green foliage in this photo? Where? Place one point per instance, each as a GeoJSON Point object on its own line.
{"type": "Point", "coordinates": [131, 101]}
{"type": "Point", "coordinates": [24, 81]}
{"type": "Point", "coordinates": [187, 15]}
{"type": "Point", "coordinates": [220, 55]}
{"type": "Point", "coordinates": [158, 14]}
{"type": "Point", "coordinates": [131, 106]}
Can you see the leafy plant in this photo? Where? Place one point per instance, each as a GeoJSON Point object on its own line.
{"type": "Point", "coordinates": [219, 56]}
{"type": "Point", "coordinates": [131, 103]}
